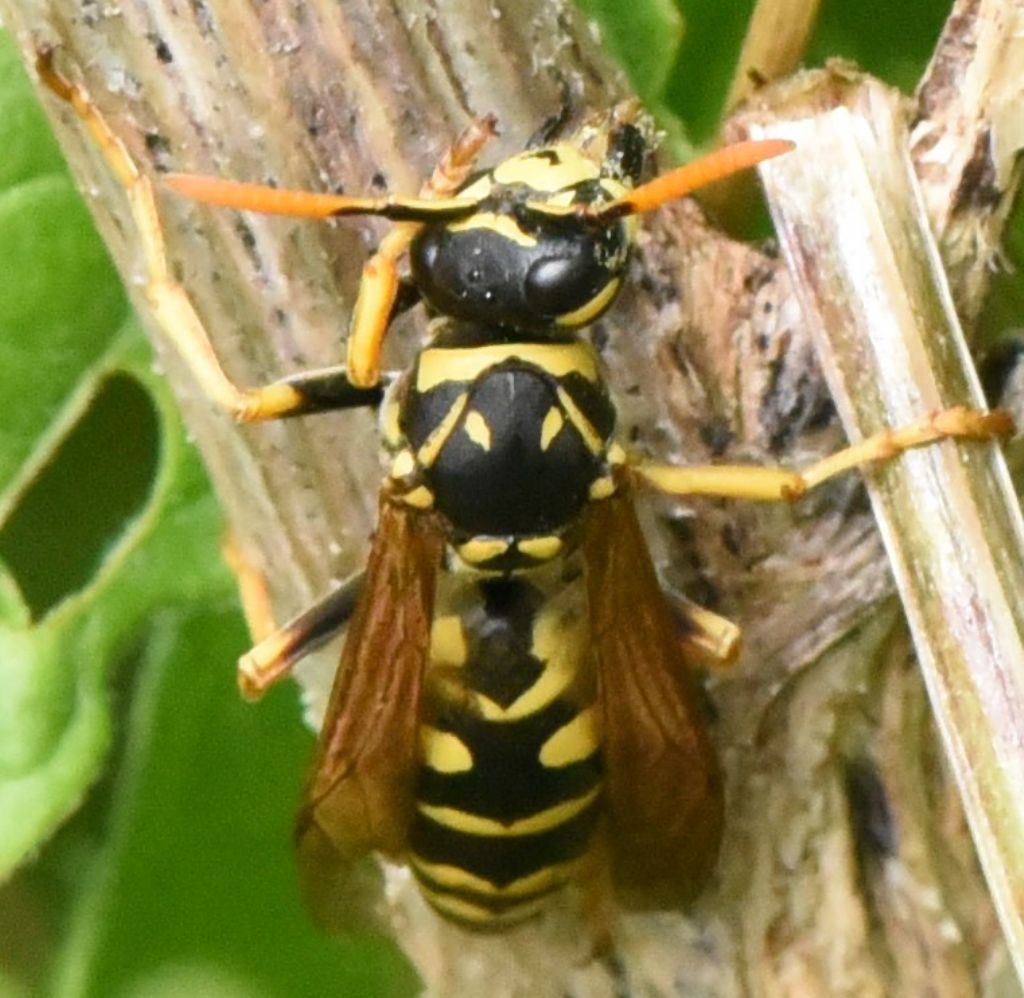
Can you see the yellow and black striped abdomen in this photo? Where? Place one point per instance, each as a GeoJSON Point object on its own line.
{"type": "Point", "coordinates": [508, 793]}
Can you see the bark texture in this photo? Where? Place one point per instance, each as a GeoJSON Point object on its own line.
{"type": "Point", "coordinates": [847, 867]}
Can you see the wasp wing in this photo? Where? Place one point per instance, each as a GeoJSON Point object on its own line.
{"type": "Point", "coordinates": [664, 790]}
{"type": "Point", "coordinates": [359, 797]}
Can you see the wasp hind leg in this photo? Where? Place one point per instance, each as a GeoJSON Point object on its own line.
{"type": "Point", "coordinates": [730, 481]}
{"type": "Point", "coordinates": [708, 639]}
{"type": "Point", "coordinates": [279, 650]}
{"type": "Point", "coordinates": [315, 391]}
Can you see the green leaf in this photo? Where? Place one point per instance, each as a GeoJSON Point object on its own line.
{"type": "Point", "coordinates": [193, 891]}
{"type": "Point", "coordinates": [644, 36]}
{"type": "Point", "coordinates": [176, 875]}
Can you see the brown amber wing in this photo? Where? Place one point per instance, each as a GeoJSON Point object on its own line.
{"type": "Point", "coordinates": [664, 790]}
{"type": "Point", "coordinates": [359, 797]}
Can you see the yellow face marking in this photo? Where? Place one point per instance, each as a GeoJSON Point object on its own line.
{"type": "Point", "coordinates": [448, 641]}
{"type": "Point", "coordinates": [479, 189]}
{"type": "Point", "coordinates": [482, 549]}
{"type": "Point", "coordinates": [542, 821]}
{"type": "Point", "coordinates": [403, 464]}
{"type": "Point", "coordinates": [456, 878]}
{"type": "Point", "coordinates": [590, 310]}
{"type": "Point", "coordinates": [541, 548]}
{"type": "Point", "coordinates": [583, 426]}
{"type": "Point", "coordinates": [503, 225]}
{"type": "Point", "coordinates": [561, 204]}
{"type": "Point", "coordinates": [616, 455]}
{"type": "Point", "coordinates": [427, 454]}
{"type": "Point", "coordinates": [464, 364]}
{"type": "Point", "coordinates": [419, 498]}
{"type": "Point", "coordinates": [444, 752]}
{"type": "Point", "coordinates": [573, 742]}
{"type": "Point", "coordinates": [535, 169]}
{"type": "Point", "coordinates": [602, 488]}
{"type": "Point", "coordinates": [553, 422]}
{"type": "Point", "coordinates": [477, 430]}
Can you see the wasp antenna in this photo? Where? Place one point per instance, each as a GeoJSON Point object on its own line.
{"type": "Point", "coordinates": [308, 204]}
{"type": "Point", "coordinates": [684, 179]}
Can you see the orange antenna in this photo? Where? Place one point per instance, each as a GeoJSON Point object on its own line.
{"type": "Point", "coordinates": [307, 204]}
{"type": "Point", "coordinates": [684, 179]}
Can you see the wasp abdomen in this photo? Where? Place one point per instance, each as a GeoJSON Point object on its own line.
{"type": "Point", "coordinates": [508, 792]}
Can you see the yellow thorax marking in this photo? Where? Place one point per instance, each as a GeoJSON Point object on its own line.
{"type": "Point", "coordinates": [584, 427]}
{"type": "Point", "coordinates": [427, 454]}
{"type": "Point", "coordinates": [482, 549]}
{"type": "Point", "coordinates": [438, 365]}
{"type": "Point", "coordinates": [543, 547]}
{"type": "Point", "coordinates": [404, 464]}
{"type": "Point", "coordinates": [419, 498]}
{"type": "Point", "coordinates": [477, 430]}
{"type": "Point", "coordinates": [553, 422]}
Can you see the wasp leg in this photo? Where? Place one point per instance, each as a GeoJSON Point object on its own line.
{"type": "Point", "coordinates": [707, 639]}
{"type": "Point", "coordinates": [252, 588]}
{"type": "Point", "coordinates": [379, 284]}
{"type": "Point", "coordinates": [772, 484]}
{"type": "Point", "coordinates": [275, 656]}
{"type": "Point", "coordinates": [168, 301]}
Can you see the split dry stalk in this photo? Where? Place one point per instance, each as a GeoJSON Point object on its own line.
{"type": "Point", "coordinates": [846, 868]}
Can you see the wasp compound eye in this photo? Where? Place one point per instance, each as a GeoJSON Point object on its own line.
{"type": "Point", "coordinates": [558, 285]}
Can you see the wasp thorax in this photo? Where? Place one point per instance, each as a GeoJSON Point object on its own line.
{"type": "Point", "coordinates": [525, 258]}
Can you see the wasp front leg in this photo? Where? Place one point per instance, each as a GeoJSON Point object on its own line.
{"type": "Point", "coordinates": [730, 481]}
{"type": "Point", "coordinates": [314, 391]}
{"type": "Point", "coordinates": [379, 285]}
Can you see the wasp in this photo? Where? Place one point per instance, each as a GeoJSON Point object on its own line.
{"type": "Point", "coordinates": [513, 708]}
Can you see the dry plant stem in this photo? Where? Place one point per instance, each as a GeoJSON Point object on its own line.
{"type": "Point", "coordinates": [346, 95]}
{"type": "Point", "coordinates": [708, 358]}
{"type": "Point", "coordinates": [868, 275]}
{"type": "Point", "coordinates": [774, 45]}
{"type": "Point", "coordinates": [967, 138]}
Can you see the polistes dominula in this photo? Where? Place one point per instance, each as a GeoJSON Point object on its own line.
{"type": "Point", "coordinates": [512, 709]}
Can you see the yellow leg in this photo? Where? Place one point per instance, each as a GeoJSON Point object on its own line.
{"type": "Point", "coordinates": [379, 284]}
{"type": "Point", "coordinates": [707, 638]}
{"type": "Point", "coordinates": [279, 650]}
{"type": "Point", "coordinates": [772, 484]}
{"type": "Point", "coordinates": [252, 588]}
{"type": "Point", "coordinates": [167, 299]}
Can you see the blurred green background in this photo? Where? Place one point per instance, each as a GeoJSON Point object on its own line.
{"type": "Point", "coordinates": [118, 624]}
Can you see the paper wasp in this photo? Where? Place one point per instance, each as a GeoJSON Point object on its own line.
{"type": "Point", "coordinates": [512, 709]}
